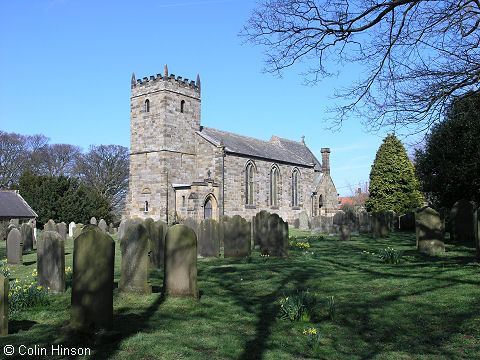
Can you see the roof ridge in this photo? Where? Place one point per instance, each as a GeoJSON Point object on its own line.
{"type": "Point", "coordinates": [250, 137]}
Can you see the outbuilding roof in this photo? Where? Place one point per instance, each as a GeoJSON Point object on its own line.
{"type": "Point", "coordinates": [282, 150]}
{"type": "Point", "coordinates": [13, 206]}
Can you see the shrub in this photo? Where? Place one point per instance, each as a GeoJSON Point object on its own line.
{"type": "Point", "coordinates": [298, 306]}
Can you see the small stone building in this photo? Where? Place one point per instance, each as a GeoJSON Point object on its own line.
{"type": "Point", "coordinates": [180, 169]}
{"type": "Point", "coordinates": [13, 208]}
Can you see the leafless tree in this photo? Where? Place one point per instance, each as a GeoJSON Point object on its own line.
{"type": "Point", "coordinates": [417, 54]}
{"type": "Point", "coordinates": [13, 158]}
{"type": "Point", "coordinates": [57, 159]}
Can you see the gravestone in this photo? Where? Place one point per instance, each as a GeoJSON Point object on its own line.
{"type": "Point", "coordinates": [27, 237]}
{"type": "Point", "coordinates": [51, 261]}
{"type": "Point", "coordinates": [136, 247]}
{"type": "Point", "coordinates": [156, 233]}
{"type": "Point", "coordinates": [77, 230]}
{"type": "Point", "coordinates": [121, 229]}
{"type": "Point", "coordinates": [338, 219]}
{"type": "Point", "coordinates": [93, 220]}
{"type": "Point", "coordinates": [62, 230]}
{"type": "Point", "coordinates": [14, 247]}
{"type": "Point", "coordinates": [364, 222]}
{"type": "Point", "coordinates": [463, 221]}
{"type": "Point", "coordinates": [429, 231]}
{"type": "Point", "coordinates": [208, 238]}
{"type": "Point", "coordinates": [180, 270]}
{"type": "Point", "coordinates": [407, 221]}
{"type": "Point", "coordinates": [191, 223]}
{"type": "Point", "coordinates": [380, 224]}
{"type": "Point", "coordinates": [4, 289]}
{"type": "Point", "coordinates": [128, 223]}
{"type": "Point", "coordinates": [276, 241]}
{"type": "Point", "coordinates": [316, 224]}
{"type": "Point", "coordinates": [303, 222]}
{"type": "Point", "coordinates": [15, 222]}
{"type": "Point", "coordinates": [10, 227]}
{"type": "Point", "coordinates": [110, 228]}
{"type": "Point", "coordinates": [102, 225]}
{"type": "Point", "coordinates": [71, 226]}
{"type": "Point", "coordinates": [259, 227]}
{"type": "Point", "coordinates": [393, 220]}
{"type": "Point", "coordinates": [322, 225]}
{"type": "Point", "coordinates": [50, 226]}
{"type": "Point", "coordinates": [344, 233]}
{"type": "Point", "coordinates": [92, 285]}
{"type": "Point", "coordinates": [33, 225]}
{"type": "Point", "coordinates": [236, 234]}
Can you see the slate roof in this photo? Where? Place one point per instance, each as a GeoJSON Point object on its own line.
{"type": "Point", "coordinates": [13, 206]}
{"type": "Point", "coordinates": [300, 149]}
{"type": "Point", "coordinates": [244, 145]}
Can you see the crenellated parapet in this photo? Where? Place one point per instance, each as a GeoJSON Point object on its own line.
{"type": "Point", "coordinates": [178, 81]}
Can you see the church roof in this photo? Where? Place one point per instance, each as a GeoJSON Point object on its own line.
{"type": "Point", "coordinates": [282, 150]}
{"type": "Point", "coordinates": [13, 206]}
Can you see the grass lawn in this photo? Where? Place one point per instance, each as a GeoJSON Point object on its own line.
{"type": "Point", "coordinates": [425, 307]}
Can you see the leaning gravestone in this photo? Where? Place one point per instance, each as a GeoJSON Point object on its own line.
{"type": "Point", "coordinates": [303, 222]}
{"type": "Point", "coordinates": [27, 237]}
{"type": "Point", "coordinates": [51, 261]}
{"type": "Point", "coordinates": [208, 238]}
{"type": "Point", "coordinates": [429, 231]}
{"type": "Point", "coordinates": [259, 227]}
{"type": "Point", "coordinates": [136, 247]}
{"type": "Point", "coordinates": [156, 233]}
{"type": "Point", "coordinates": [92, 285]}
{"type": "Point", "coordinates": [276, 241]}
{"type": "Point", "coordinates": [71, 226]}
{"type": "Point", "coordinates": [93, 220]}
{"type": "Point", "coordinates": [236, 234]}
{"type": "Point", "coordinates": [62, 230]}
{"type": "Point", "coordinates": [4, 289]}
{"type": "Point", "coordinates": [463, 221]}
{"type": "Point", "coordinates": [50, 226]}
{"type": "Point", "coordinates": [180, 271]}
{"type": "Point", "coordinates": [344, 233]}
{"type": "Point", "coordinates": [380, 224]}
{"type": "Point", "coordinates": [14, 247]}
{"type": "Point", "coordinates": [102, 225]}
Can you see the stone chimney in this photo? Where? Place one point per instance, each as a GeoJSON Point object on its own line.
{"type": "Point", "coordinates": [326, 160]}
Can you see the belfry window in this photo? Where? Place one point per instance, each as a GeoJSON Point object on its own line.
{"type": "Point", "coordinates": [146, 206]}
{"type": "Point", "coordinates": [295, 188]}
{"type": "Point", "coordinates": [182, 106]}
{"type": "Point", "coordinates": [147, 105]}
{"type": "Point", "coordinates": [249, 184]}
{"type": "Point", "coordinates": [274, 186]}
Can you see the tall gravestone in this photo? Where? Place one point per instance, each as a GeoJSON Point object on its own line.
{"type": "Point", "coordinates": [276, 241]}
{"type": "Point", "coordinates": [208, 238]}
{"type": "Point", "coordinates": [136, 248]}
{"type": "Point", "coordinates": [62, 230]}
{"type": "Point", "coordinates": [33, 225]}
{"type": "Point", "coordinates": [14, 247]}
{"type": "Point", "coordinates": [27, 236]}
{"type": "Point", "coordinates": [51, 261]}
{"type": "Point", "coordinates": [393, 219]}
{"type": "Point", "coordinates": [102, 225]}
{"type": "Point", "coordinates": [93, 220]}
{"type": "Point", "coordinates": [191, 223]}
{"type": "Point", "coordinates": [260, 227]}
{"type": "Point", "coordinates": [236, 234]}
{"type": "Point", "coordinates": [50, 226]}
{"type": "Point", "coordinates": [92, 285]}
{"type": "Point", "coordinates": [380, 224]}
{"type": "Point", "coordinates": [10, 227]}
{"type": "Point", "coordinates": [180, 270]}
{"type": "Point", "coordinates": [429, 231]}
{"type": "Point", "coordinates": [71, 226]}
{"type": "Point", "coordinates": [127, 224]}
{"type": "Point", "coordinates": [463, 220]}
{"type": "Point", "coordinates": [316, 224]}
{"type": "Point", "coordinates": [156, 232]}
{"type": "Point", "coordinates": [364, 222]}
{"type": "Point", "coordinates": [4, 289]}
{"type": "Point", "coordinates": [303, 222]}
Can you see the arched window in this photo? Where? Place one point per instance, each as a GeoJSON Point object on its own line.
{"type": "Point", "coordinates": [249, 178]}
{"type": "Point", "coordinates": [146, 206]}
{"type": "Point", "coordinates": [207, 209]}
{"type": "Point", "coordinates": [182, 106]}
{"type": "Point", "coordinates": [295, 188]}
{"type": "Point", "coordinates": [147, 105]}
{"type": "Point", "coordinates": [274, 186]}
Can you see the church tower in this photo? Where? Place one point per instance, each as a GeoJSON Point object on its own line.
{"type": "Point", "coordinates": [164, 113]}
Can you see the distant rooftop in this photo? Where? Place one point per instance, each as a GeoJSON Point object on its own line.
{"type": "Point", "coordinates": [12, 206]}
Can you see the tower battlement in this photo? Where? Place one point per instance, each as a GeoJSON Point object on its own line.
{"type": "Point", "coordinates": [179, 81]}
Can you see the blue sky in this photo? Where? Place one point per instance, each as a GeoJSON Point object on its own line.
{"type": "Point", "coordinates": [66, 67]}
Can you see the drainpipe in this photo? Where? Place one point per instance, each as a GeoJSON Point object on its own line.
{"type": "Point", "coordinates": [223, 180]}
{"type": "Point", "coordinates": [166, 214]}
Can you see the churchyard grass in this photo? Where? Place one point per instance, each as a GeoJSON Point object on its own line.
{"type": "Point", "coordinates": [424, 307]}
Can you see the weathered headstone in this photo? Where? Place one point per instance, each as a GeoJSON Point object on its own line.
{"type": "Point", "coordinates": [93, 220]}
{"type": "Point", "coordinates": [316, 224]}
{"type": "Point", "coordinates": [364, 222]}
{"type": "Point", "coordinates": [33, 225]}
{"type": "Point", "coordinates": [180, 275]}
{"type": "Point", "coordinates": [9, 228]}
{"type": "Point", "coordinates": [110, 228]}
{"type": "Point", "coordinates": [191, 223]}
{"type": "Point", "coordinates": [380, 224]}
{"type": "Point", "coordinates": [51, 261]}
{"type": "Point", "coordinates": [62, 230]}
{"type": "Point", "coordinates": [259, 227]}
{"type": "Point", "coordinates": [338, 218]}
{"type": "Point", "coordinates": [126, 224]}
{"type": "Point", "coordinates": [407, 221]}
{"type": "Point", "coordinates": [303, 222]}
{"type": "Point", "coordinates": [156, 232]}
{"type": "Point", "coordinates": [102, 225]}
{"type": "Point", "coordinates": [208, 238]}
{"type": "Point", "coordinates": [276, 241]}
{"type": "Point", "coordinates": [121, 229]}
{"type": "Point", "coordinates": [393, 219]}
{"type": "Point", "coordinates": [92, 285]}
{"type": "Point", "coordinates": [462, 221]}
{"type": "Point", "coordinates": [27, 237]}
{"type": "Point", "coordinates": [344, 233]}
{"type": "Point", "coordinates": [14, 247]}
{"type": "Point", "coordinates": [136, 247]}
{"type": "Point", "coordinates": [50, 226]}
{"type": "Point", "coordinates": [77, 230]}
{"type": "Point", "coordinates": [429, 231]}
{"type": "Point", "coordinates": [71, 226]}
{"type": "Point", "coordinates": [236, 234]}
{"type": "Point", "coordinates": [4, 289]}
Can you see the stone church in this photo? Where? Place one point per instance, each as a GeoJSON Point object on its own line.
{"type": "Point", "coordinates": [180, 169]}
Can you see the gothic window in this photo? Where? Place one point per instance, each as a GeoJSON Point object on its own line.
{"type": "Point", "coordinates": [249, 178]}
{"type": "Point", "coordinates": [208, 209]}
{"type": "Point", "coordinates": [182, 106]}
{"type": "Point", "coordinates": [295, 188]}
{"type": "Point", "coordinates": [274, 186]}
{"type": "Point", "coordinates": [147, 105]}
